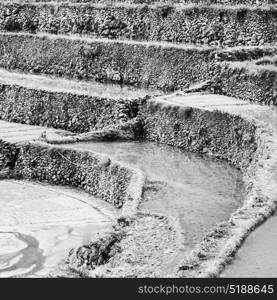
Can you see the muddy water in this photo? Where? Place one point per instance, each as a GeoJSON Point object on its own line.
{"type": "Point", "coordinates": [95, 89]}
{"type": "Point", "coordinates": [197, 192]}
{"type": "Point", "coordinates": [39, 224]}
{"type": "Point", "coordinates": [257, 256]}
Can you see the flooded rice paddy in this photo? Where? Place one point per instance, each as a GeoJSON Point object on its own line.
{"type": "Point", "coordinates": [196, 191]}
{"type": "Point", "coordinates": [40, 223]}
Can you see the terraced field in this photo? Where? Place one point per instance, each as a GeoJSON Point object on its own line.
{"type": "Point", "coordinates": [144, 106]}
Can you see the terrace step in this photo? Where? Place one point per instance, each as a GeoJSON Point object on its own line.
{"type": "Point", "coordinates": [203, 24]}
{"type": "Point", "coordinates": [71, 86]}
{"type": "Point", "coordinates": [145, 64]}
{"type": "Point", "coordinates": [214, 103]}
{"type": "Point", "coordinates": [230, 105]}
{"type": "Point", "coordinates": [256, 258]}
{"type": "Point", "coordinates": [266, 176]}
{"type": "Point", "coordinates": [156, 65]}
{"type": "Point", "coordinates": [67, 104]}
{"type": "Point", "coordinates": [251, 260]}
{"type": "Point", "coordinates": [15, 132]}
{"type": "Point", "coordinates": [144, 60]}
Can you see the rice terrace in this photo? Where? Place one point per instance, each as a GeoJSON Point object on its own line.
{"type": "Point", "coordinates": [138, 138]}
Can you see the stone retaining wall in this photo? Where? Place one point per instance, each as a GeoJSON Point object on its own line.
{"type": "Point", "coordinates": [247, 145]}
{"type": "Point", "coordinates": [220, 134]}
{"type": "Point", "coordinates": [248, 81]}
{"type": "Point", "coordinates": [209, 25]}
{"type": "Point", "coordinates": [76, 113]}
{"type": "Point", "coordinates": [165, 67]}
{"type": "Point", "coordinates": [95, 173]}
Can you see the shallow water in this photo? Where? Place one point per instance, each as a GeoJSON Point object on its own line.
{"type": "Point", "coordinates": [40, 223]}
{"type": "Point", "coordinates": [257, 256]}
{"type": "Point", "coordinates": [94, 89]}
{"type": "Point", "coordinates": [196, 191]}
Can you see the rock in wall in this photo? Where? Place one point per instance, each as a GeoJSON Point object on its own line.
{"type": "Point", "coordinates": [8, 155]}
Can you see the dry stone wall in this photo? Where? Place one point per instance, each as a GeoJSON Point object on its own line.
{"type": "Point", "coordinates": [247, 81]}
{"type": "Point", "coordinates": [96, 174]}
{"type": "Point", "coordinates": [223, 135]}
{"type": "Point", "coordinates": [76, 113]}
{"type": "Point", "coordinates": [209, 25]}
{"type": "Point", "coordinates": [165, 67]}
